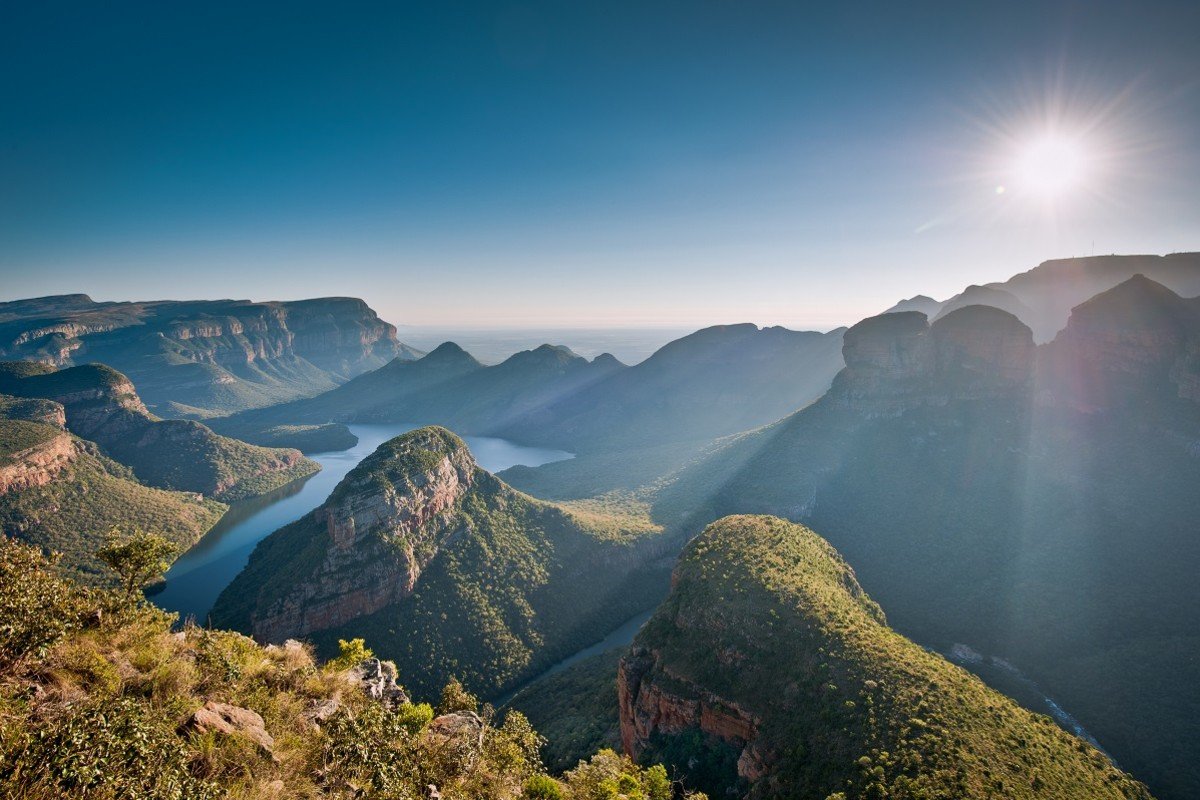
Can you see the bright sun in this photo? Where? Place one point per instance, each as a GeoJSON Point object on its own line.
{"type": "Point", "coordinates": [1049, 166]}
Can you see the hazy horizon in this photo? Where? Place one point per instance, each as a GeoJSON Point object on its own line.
{"type": "Point", "coordinates": [548, 165]}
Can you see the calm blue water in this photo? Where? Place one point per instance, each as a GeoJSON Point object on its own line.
{"type": "Point", "coordinates": [200, 574]}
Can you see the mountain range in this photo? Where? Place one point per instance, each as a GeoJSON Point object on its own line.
{"type": "Point", "coordinates": [207, 357]}
{"type": "Point", "coordinates": [626, 424]}
{"type": "Point", "coordinates": [1043, 297]}
{"type": "Point", "coordinates": [1010, 473]}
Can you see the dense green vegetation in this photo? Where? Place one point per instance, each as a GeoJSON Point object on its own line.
{"type": "Point", "coordinates": [99, 699]}
{"type": "Point", "coordinates": [30, 409]}
{"type": "Point", "coordinates": [766, 616]}
{"type": "Point", "coordinates": [575, 709]}
{"type": "Point", "coordinates": [74, 513]}
{"type": "Point", "coordinates": [507, 584]}
{"type": "Point", "coordinates": [101, 405]}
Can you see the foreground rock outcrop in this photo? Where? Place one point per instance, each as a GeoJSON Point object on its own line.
{"type": "Point", "coordinates": [769, 672]}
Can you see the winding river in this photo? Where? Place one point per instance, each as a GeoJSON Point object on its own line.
{"type": "Point", "coordinates": [198, 577]}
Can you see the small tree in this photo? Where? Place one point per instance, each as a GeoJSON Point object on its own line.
{"type": "Point", "coordinates": [352, 653]}
{"type": "Point", "coordinates": [137, 559]}
{"type": "Point", "coordinates": [455, 697]}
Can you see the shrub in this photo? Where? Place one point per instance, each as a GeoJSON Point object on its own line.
{"type": "Point", "coordinates": [351, 654]}
{"type": "Point", "coordinates": [37, 608]}
{"type": "Point", "coordinates": [117, 749]}
{"type": "Point", "coordinates": [137, 559]}
{"type": "Point", "coordinates": [542, 787]}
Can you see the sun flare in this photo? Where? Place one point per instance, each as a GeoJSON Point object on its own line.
{"type": "Point", "coordinates": [1049, 166]}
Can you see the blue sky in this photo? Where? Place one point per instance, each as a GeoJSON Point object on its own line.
{"type": "Point", "coordinates": [590, 164]}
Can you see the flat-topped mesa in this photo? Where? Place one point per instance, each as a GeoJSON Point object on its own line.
{"type": "Point", "coordinates": [983, 350]}
{"type": "Point", "coordinates": [33, 409]}
{"type": "Point", "coordinates": [898, 361]}
{"type": "Point", "coordinates": [384, 523]}
{"type": "Point", "coordinates": [197, 358]}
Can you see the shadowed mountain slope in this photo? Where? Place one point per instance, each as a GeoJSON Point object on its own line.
{"type": "Point", "coordinates": [769, 671]}
{"type": "Point", "coordinates": [1035, 504]}
{"type": "Point", "coordinates": [1043, 297]}
{"type": "Point", "coordinates": [629, 425]}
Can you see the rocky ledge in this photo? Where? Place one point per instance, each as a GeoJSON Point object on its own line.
{"type": "Point", "coordinates": [37, 465]}
{"type": "Point", "coordinates": [648, 708]}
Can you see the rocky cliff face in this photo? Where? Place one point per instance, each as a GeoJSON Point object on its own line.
{"type": "Point", "coordinates": [101, 405]}
{"type": "Point", "coordinates": [898, 361]}
{"type": "Point", "coordinates": [37, 465]}
{"type": "Point", "coordinates": [209, 355]}
{"type": "Point", "coordinates": [447, 570]}
{"type": "Point", "coordinates": [654, 702]}
{"type": "Point", "coordinates": [381, 527]}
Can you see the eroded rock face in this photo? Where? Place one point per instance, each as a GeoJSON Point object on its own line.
{"type": "Point", "coordinates": [898, 361]}
{"type": "Point", "coordinates": [292, 343]}
{"type": "Point", "coordinates": [652, 701]}
{"type": "Point", "coordinates": [377, 679]}
{"type": "Point", "coordinates": [99, 404]}
{"type": "Point", "coordinates": [383, 524]}
{"type": "Point", "coordinates": [461, 731]}
{"type": "Point", "coordinates": [38, 465]}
